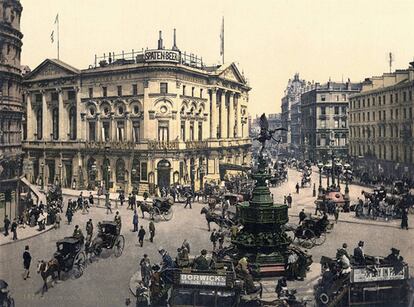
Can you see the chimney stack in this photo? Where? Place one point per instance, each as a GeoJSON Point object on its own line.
{"type": "Point", "coordinates": [160, 45]}
{"type": "Point", "coordinates": [174, 47]}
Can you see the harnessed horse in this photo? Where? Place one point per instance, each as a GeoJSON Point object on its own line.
{"type": "Point", "coordinates": [46, 269]}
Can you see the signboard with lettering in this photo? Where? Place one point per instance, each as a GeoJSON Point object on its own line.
{"type": "Point", "coordinates": [378, 274]}
{"type": "Point", "coordinates": [162, 56]}
{"type": "Point", "coordinates": [203, 280]}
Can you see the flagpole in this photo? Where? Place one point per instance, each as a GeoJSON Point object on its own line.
{"type": "Point", "coordinates": [223, 39]}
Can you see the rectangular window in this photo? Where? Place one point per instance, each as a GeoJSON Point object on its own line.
{"type": "Point", "coordinates": [183, 90]}
{"type": "Point", "coordinates": [144, 171]}
{"type": "Point", "coordinates": [336, 123]}
{"type": "Point", "coordinates": [392, 114]}
{"type": "Point", "coordinates": [396, 114]}
{"type": "Point", "coordinates": [396, 97]}
{"type": "Point", "coordinates": [135, 131]}
{"type": "Point", "coordinates": [192, 131]}
{"type": "Point", "coordinates": [336, 110]}
{"type": "Point", "coordinates": [92, 131]}
{"type": "Point", "coordinates": [71, 95]}
{"type": "Point", "coordinates": [200, 131]}
{"type": "Point", "coordinates": [368, 102]}
{"type": "Point", "coordinates": [181, 169]}
{"type": "Point", "coordinates": [38, 98]}
{"type": "Point", "coordinates": [373, 115]}
{"type": "Point", "coordinates": [163, 87]}
{"type": "Point", "coordinates": [192, 91]}
{"type": "Point", "coordinates": [323, 110]}
{"type": "Point", "coordinates": [54, 96]}
{"type": "Point", "coordinates": [91, 92]}
{"type": "Point", "coordinates": [120, 131]}
{"type": "Point", "coordinates": [163, 133]}
{"type": "Point", "coordinates": [363, 103]}
{"type": "Point", "coordinates": [201, 93]}
{"type": "Point", "coordinates": [379, 115]}
{"type": "Point", "coordinates": [323, 124]}
{"type": "Point", "coordinates": [373, 101]}
{"type": "Point", "coordinates": [405, 113]}
{"type": "Point", "coordinates": [410, 112]}
{"type": "Point", "coordinates": [410, 95]}
{"type": "Point", "coordinates": [105, 131]}
{"type": "Point", "coordinates": [323, 97]}
{"type": "Point", "coordinates": [383, 115]}
{"type": "Point", "coordinates": [119, 90]}
{"type": "Point", "coordinates": [134, 89]}
{"type": "Point", "coordinates": [404, 96]}
{"type": "Point", "coordinates": [182, 130]}
{"type": "Point", "coordinates": [368, 119]}
{"type": "Point", "coordinates": [343, 123]}
{"type": "Point", "coordinates": [104, 91]}
{"type": "Point", "coordinates": [391, 98]}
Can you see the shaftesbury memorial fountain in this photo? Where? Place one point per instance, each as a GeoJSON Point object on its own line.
{"type": "Point", "coordinates": [262, 239]}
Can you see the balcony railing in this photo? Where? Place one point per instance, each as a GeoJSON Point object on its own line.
{"type": "Point", "coordinates": [196, 144]}
{"type": "Point", "coordinates": [163, 145]}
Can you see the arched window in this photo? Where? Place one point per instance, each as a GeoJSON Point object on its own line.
{"type": "Point", "coordinates": [39, 122]}
{"type": "Point", "coordinates": [120, 170]}
{"type": "Point", "coordinates": [72, 123]}
{"type": "Point", "coordinates": [55, 123]}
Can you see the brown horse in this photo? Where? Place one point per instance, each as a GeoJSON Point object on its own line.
{"type": "Point", "coordinates": [46, 269]}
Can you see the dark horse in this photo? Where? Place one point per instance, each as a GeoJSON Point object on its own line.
{"type": "Point", "coordinates": [46, 269]}
{"type": "Point", "coordinates": [215, 218]}
{"type": "Point", "coordinates": [145, 207]}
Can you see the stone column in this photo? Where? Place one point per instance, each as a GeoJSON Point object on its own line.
{"type": "Point", "coordinates": [81, 125]}
{"type": "Point", "coordinates": [213, 115]}
{"type": "Point", "coordinates": [63, 118]}
{"type": "Point", "coordinates": [238, 118]}
{"type": "Point", "coordinates": [127, 129]}
{"type": "Point", "coordinates": [230, 128]}
{"type": "Point", "coordinates": [45, 118]}
{"type": "Point", "coordinates": [30, 118]}
{"type": "Point", "coordinates": [113, 132]}
{"type": "Point", "coordinates": [145, 122]}
{"type": "Point", "coordinates": [223, 115]}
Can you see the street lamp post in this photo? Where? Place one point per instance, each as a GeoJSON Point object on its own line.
{"type": "Point", "coordinates": [42, 168]}
{"type": "Point", "coordinates": [93, 173]}
{"type": "Point", "coordinates": [108, 170]}
{"type": "Point", "coordinates": [338, 169]}
{"type": "Point", "coordinates": [320, 166]}
{"type": "Point", "coordinates": [60, 174]}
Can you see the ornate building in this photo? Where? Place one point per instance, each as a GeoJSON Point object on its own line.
{"type": "Point", "coordinates": [135, 121]}
{"type": "Point", "coordinates": [10, 107]}
{"type": "Point", "coordinates": [291, 118]}
{"type": "Point", "coordinates": [381, 123]}
{"type": "Point", "coordinates": [325, 119]}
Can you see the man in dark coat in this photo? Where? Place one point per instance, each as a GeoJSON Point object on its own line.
{"type": "Point", "coordinates": [188, 197]}
{"type": "Point", "coordinates": [135, 221]}
{"type": "Point", "coordinates": [213, 239]}
{"type": "Point", "coordinates": [151, 227]}
{"type": "Point", "coordinates": [141, 235]}
{"type": "Point", "coordinates": [302, 216]}
{"type": "Point", "coordinates": [359, 256]}
{"type": "Point", "coordinates": [6, 225]}
{"type": "Point", "coordinates": [201, 262]}
{"type": "Point", "coordinates": [14, 229]}
{"type": "Point", "coordinates": [89, 230]}
{"type": "Point", "coordinates": [289, 200]}
{"type": "Point", "coordinates": [146, 270]}
{"type": "Point", "coordinates": [27, 259]}
{"type": "Point", "coordinates": [91, 199]}
{"type": "Point", "coordinates": [404, 219]}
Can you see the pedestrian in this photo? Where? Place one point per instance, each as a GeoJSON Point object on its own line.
{"type": "Point", "coordinates": [118, 221]}
{"type": "Point", "coordinates": [91, 199]}
{"type": "Point", "coordinates": [89, 230]}
{"type": "Point", "coordinates": [130, 201]}
{"type": "Point", "coordinates": [302, 216]}
{"type": "Point", "coordinates": [6, 225]}
{"type": "Point", "coordinates": [336, 214]}
{"type": "Point", "coordinates": [80, 200]}
{"type": "Point", "coordinates": [85, 207]}
{"type": "Point", "coordinates": [121, 198]}
{"type": "Point", "coordinates": [213, 239]}
{"type": "Point", "coordinates": [146, 271]}
{"type": "Point", "coordinates": [297, 188]}
{"type": "Point", "coordinates": [108, 207]}
{"type": "Point", "coordinates": [69, 214]}
{"type": "Point", "coordinates": [188, 197]}
{"type": "Point", "coordinates": [289, 200]}
{"type": "Point", "coordinates": [135, 221]}
{"type": "Point", "coordinates": [404, 219]}
{"type": "Point", "coordinates": [14, 229]}
{"type": "Point", "coordinates": [58, 218]}
{"type": "Point", "coordinates": [220, 236]}
{"type": "Point", "coordinates": [151, 227]}
{"type": "Point", "coordinates": [186, 245]}
{"type": "Point", "coordinates": [141, 235]}
{"type": "Point", "coordinates": [359, 255]}
{"type": "Point", "coordinates": [27, 259]}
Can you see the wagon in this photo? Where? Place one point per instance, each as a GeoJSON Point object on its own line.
{"type": "Point", "coordinates": [108, 237]}
{"type": "Point", "coordinates": [312, 231]}
{"type": "Point", "coordinates": [71, 256]}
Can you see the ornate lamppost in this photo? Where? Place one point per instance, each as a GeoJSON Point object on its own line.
{"type": "Point", "coordinates": [93, 175]}
{"type": "Point", "coordinates": [348, 174]}
{"type": "Point", "coordinates": [42, 168]}
{"type": "Point", "coordinates": [60, 174]}
{"type": "Point", "coordinates": [108, 170]}
{"type": "Point", "coordinates": [328, 168]}
{"type": "Point", "coordinates": [338, 168]}
{"type": "Point", "coordinates": [133, 182]}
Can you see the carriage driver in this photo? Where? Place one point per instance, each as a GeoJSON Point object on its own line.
{"type": "Point", "coordinates": [77, 233]}
{"type": "Point", "coordinates": [118, 221]}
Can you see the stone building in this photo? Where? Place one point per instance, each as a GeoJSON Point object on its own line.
{"type": "Point", "coordinates": [290, 116]}
{"type": "Point", "coordinates": [325, 119]}
{"type": "Point", "coordinates": [10, 107]}
{"type": "Point", "coordinates": [382, 124]}
{"type": "Point", "coordinates": [134, 121]}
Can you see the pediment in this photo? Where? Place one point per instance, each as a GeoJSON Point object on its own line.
{"type": "Point", "coordinates": [51, 69]}
{"type": "Point", "coordinates": [231, 73]}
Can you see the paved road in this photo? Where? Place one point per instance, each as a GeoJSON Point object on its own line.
{"type": "Point", "coordinates": [106, 282]}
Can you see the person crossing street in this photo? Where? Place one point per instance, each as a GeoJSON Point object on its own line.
{"type": "Point", "coordinates": [151, 227]}
{"type": "Point", "coordinates": [27, 259]}
{"type": "Point", "coordinates": [89, 230]}
{"type": "Point", "coordinates": [141, 235]}
{"type": "Point", "coordinates": [135, 221]}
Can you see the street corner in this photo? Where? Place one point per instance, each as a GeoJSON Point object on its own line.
{"type": "Point", "coordinates": [23, 234]}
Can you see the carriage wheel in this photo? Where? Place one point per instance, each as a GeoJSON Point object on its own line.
{"type": "Point", "coordinates": [319, 240]}
{"type": "Point", "coordinates": [306, 238]}
{"type": "Point", "coordinates": [168, 215]}
{"type": "Point", "coordinates": [119, 245]}
{"type": "Point", "coordinates": [324, 298]}
{"type": "Point", "coordinates": [79, 264]}
{"type": "Point", "coordinates": [155, 214]}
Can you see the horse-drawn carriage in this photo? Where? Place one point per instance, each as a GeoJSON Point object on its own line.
{"type": "Point", "coordinates": [306, 180]}
{"type": "Point", "coordinates": [160, 207]}
{"type": "Point", "coordinates": [108, 237]}
{"type": "Point", "coordinates": [311, 232]}
{"type": "Point", "coordinates": [70, 255]}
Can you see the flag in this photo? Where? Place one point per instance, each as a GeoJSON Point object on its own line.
{"type": "Point", "coordinates": [52, 36]}
{"type": "Point", "coordinates": [222, 38]}
{"type": "Point", "coordinates": [57, 18]}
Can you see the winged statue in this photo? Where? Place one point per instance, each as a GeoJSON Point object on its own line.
{"type": "Point", "coordinates": [266, 134]}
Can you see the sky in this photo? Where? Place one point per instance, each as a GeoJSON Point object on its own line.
{"type": "Point", "coordinates": [270, 40]}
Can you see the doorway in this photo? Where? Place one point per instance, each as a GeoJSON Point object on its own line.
{"type": "Point", "coordinates": [163, 172]}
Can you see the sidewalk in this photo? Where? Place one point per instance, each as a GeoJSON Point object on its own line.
{"type": "Point", "coordinates": [23, 234]}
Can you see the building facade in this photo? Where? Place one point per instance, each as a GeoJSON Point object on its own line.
{"type": "Point", "coordinates": [135, 121]}
{"type": "Point", "coordinates": [10, 107]}
{"type": "Point", "coordinates": [325, 120]}
{"type": "Point", "coordinates": [382, 123]}
{"type": "Point", "coordinates": [290, 116]}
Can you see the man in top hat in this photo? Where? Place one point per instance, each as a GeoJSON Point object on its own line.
{"type": "Point", "coordinates": [359, 255]}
